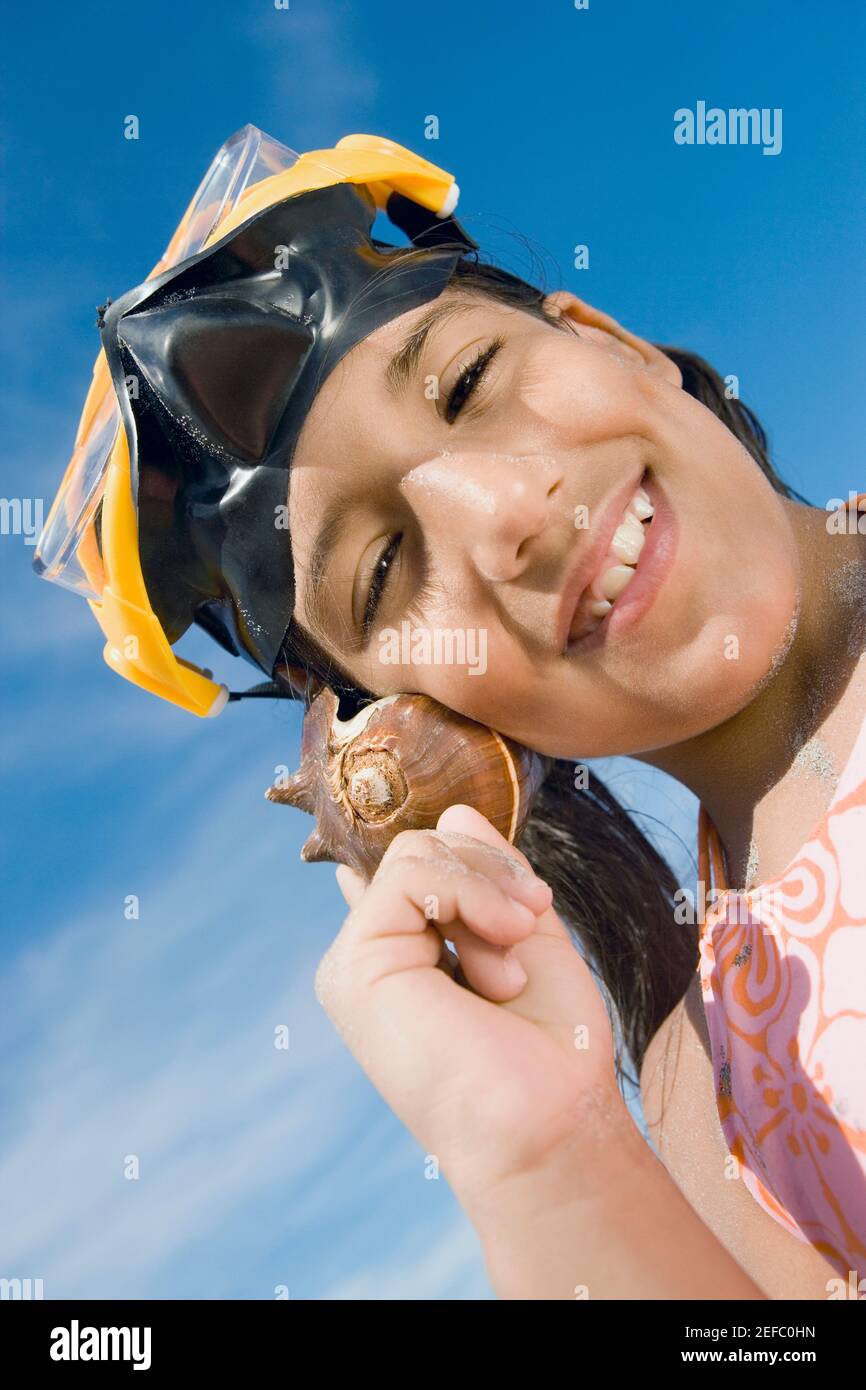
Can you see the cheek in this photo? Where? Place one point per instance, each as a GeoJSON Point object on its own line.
{"type": "Point", "coordinates": [569, 386]}
{"type": "Point", "coordinates": [725, 622]}
{"type": "Point", "coordinates": [727, 608]}
{"type": "Point", "coordinates": [473, 666]}
{"type": "Point", "coordinates": [747, 587]}
{"type": "Point", "coordinates": [739, 565]}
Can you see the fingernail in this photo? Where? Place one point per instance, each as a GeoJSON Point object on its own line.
{"type": "Point", "coordinates": [514, 971]}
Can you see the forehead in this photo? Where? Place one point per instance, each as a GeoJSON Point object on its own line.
{"type": "Point", "coordinates": [359, 399]}
{"type": "Point", "coordinates": [344, 430]}
{"type": "Point", "coordinates": [366, 412]}
{"type": "Point", "coordinates": [341, 431]}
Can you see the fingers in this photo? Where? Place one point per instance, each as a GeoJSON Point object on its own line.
{"type": "Point", "coordinates": [469, 908]}
{"type": "Point", "coordinates": [351, 884]}
{"type": "Point", "coordinates": [413, 892]}
{"type": "Point", "coordinates": [468, 882]}
{"type": "Point", "coordinates": [466, 854]}
{"type": "Point", "coordinates": [491, 971]}
{"type": "Point", "coordinates": [460, 819]}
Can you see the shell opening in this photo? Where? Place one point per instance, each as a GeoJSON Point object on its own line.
{"type": "Point", "coordinates": [375, 784]}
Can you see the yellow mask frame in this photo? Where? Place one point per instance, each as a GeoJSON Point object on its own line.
{"type": "Point", "coordinates": [99, 471]}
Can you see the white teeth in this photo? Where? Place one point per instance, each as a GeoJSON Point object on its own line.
{"type": "Point", "coordinates": [625, 551]}
{"type": "Point", "coordinates": [628, 539]}
{"type": "Point", "coordinates": [641, 505]}
{"type": "Point", "coordinates": [626, 546]}
{"type": "Point", "coordinates": [614, 580]}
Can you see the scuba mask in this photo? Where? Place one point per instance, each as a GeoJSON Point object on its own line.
{"type": "Point", "coordinates": [173, 508]}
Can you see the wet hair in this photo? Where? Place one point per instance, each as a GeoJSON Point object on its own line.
{"type": "Point", "coordinates": [612, 887]}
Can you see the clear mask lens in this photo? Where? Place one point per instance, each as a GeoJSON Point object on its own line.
{"type": "Point", "coordinates": [68, 552]}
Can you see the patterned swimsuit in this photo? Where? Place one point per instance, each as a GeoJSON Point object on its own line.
{"type": "Point", "coordinates": [783, 975]}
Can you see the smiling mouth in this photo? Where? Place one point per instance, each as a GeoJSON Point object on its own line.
{"type": "Point", "coordinates": [617, 568]}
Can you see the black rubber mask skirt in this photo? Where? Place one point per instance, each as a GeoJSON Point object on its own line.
{"type": "Point", "coordinates": [215, 365]}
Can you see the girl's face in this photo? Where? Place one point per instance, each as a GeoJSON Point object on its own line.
{"type": "Point", "coordinates": [444, 528]}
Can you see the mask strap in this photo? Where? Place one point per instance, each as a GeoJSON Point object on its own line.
{"type": "Point", "coordinates": [268, 690]}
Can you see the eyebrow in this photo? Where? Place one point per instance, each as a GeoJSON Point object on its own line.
{"type": "Point", "coordinates": [327, 538]}
{"type": "Point", "coordinates": [404, 363]}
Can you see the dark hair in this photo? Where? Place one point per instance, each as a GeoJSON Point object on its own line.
{"type": "Point", "coordinates": [612, 888]}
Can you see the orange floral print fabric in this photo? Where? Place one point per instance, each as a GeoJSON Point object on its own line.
{"type": "Point", "coordinates": [783, 975]}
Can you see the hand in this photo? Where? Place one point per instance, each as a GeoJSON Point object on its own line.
{"type": "Point", "coordinates": [490, 1076]}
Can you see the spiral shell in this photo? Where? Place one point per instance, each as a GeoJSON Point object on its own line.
{"type": "Point", "coordinates": [396, 765]}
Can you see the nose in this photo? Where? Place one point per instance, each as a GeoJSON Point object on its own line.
{"type": "Point", "coordinates": [490, 504]}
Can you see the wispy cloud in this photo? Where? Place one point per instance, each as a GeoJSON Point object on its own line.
{"type": "Point", "coordinates": [155, 1038]}
{"type": "Point", "coordinates": [313, 71]}
{"type": "Point", "coordinates": [446, 1265]}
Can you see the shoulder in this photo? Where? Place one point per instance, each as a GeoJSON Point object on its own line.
{"type": "Point", "coordinates": [679, 1102]}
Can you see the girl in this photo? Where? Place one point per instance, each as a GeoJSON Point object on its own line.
{"type": "Point", "coordinates": [455, 448]}
{"type": "Point", "coordinates": [735, 666]}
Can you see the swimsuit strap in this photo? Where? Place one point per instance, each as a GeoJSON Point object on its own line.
{"type": "Point", "coordinates": [711, 854]}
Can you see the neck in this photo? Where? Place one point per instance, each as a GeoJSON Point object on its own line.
{"type": "Point", "coordinates": [732, 767]}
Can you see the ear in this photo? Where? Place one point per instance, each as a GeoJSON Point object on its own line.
{"type": "Point", "coordinates": [564, 305]}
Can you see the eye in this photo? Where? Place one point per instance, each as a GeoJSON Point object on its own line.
{"type": "Point", "coordinates": [377, 584]}
{"type": "Point", "coordinates": [469, 379]}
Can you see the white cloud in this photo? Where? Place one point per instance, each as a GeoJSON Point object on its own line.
{"type": "Point", "coordinates": [434, 1260]}
{"type": "Point", "coordinates": [312, 71]}
{"type": "Point", "coordinates": [155, 1037]}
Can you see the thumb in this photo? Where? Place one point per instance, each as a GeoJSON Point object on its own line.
{"type": "Point", "coordinates": [351, 884]}
{"type": "Point", "coordinates": [465, 820]}
{"type": "Point", "coordinates": [560, 995]}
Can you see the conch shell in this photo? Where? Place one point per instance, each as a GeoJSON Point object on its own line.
{"type": "Point", "coordinates": [396, 765]}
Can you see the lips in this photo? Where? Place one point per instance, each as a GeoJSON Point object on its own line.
{"type": "Point", "coordinates": [602, 573]}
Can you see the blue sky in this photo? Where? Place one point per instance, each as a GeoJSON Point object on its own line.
{"type": "Point", "coordinates": [154, 1037]}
